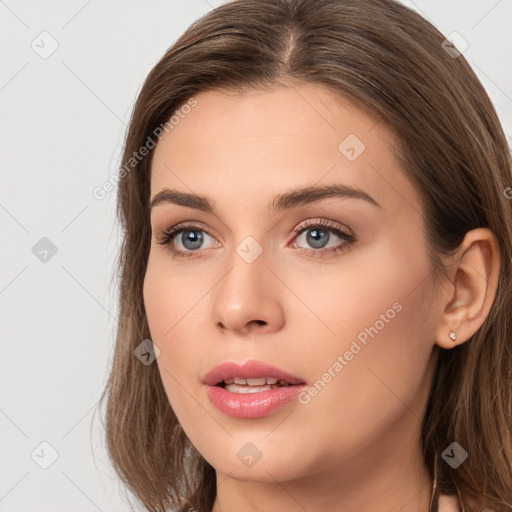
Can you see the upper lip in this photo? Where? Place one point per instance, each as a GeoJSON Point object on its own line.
{"type": "Point", "coordinates": [248, 370]}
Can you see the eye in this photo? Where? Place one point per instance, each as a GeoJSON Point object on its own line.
{"type": "Point", "coordinates": [191, 238]}
{"type": "Point", "coordinates": [186, 240]}
{"type": "Point", "coordinates": [318, 234]}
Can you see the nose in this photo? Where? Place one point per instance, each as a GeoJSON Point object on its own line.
{"type": "Point", "coordinates": [248, 298]}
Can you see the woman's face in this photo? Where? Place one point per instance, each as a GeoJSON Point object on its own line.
{"type": "Point", "coordinates": [332, 286]}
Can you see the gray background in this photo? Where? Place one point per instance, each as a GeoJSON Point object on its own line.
{"type": "Point", "coordinates": [63, 118]}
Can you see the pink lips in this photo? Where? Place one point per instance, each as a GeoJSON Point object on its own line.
{"type": "Point", "coordinates": [251, 405]}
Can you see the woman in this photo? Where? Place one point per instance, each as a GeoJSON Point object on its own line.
{"type": "Point", "coordinates": [315, 270]}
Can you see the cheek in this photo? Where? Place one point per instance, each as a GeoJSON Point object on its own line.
{"type": "Point", "coordinates": [378, 288]}
{"type": "Point", "coordinates": [372, 365]}
{"type": "Point", "coordinates": [171, 299]}
{"type": "Point", "coordinates": [175, 310]}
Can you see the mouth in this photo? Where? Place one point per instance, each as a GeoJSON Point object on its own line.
{"type": "Point", "coordinates": [252, 389]}
{"type": "Point", "coordinates": [250, 377]}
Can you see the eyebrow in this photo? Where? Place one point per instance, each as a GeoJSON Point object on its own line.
{"type": "Point", "coordinates": [283, 201]}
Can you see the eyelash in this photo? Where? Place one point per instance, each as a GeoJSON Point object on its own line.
{"type": "Point", "coordinates": [348, 236]}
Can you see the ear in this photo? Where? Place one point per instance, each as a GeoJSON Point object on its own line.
{"type": "Point", "coordinates": [474, 279]}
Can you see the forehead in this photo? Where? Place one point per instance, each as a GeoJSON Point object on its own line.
{"type": "Point", "coordinates": [256, 143]}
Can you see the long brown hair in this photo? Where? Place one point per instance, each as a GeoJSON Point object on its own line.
{"type": "Point", "coordinates": [387, 59]}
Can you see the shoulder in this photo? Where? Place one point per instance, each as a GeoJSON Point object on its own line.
{"type": "Point", "coordinates": [450, 503]}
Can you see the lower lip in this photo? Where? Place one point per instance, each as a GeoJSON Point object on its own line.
{"type": "Point", "coordinates": [252, 405]}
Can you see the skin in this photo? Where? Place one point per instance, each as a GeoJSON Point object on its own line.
{"type": "Point", "coordinates": [356, 444]}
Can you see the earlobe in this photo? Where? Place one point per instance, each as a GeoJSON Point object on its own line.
{"type": "Point", "coordinates": [473, 290]}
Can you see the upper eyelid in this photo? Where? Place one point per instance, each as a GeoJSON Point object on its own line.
{"type": "Point", "coordinates": [324, 223]}
{"type": "Point", "coordinates": [319, 221]}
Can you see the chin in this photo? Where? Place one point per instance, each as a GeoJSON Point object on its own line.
{"type": "Point", "coordinates": [265, 465]}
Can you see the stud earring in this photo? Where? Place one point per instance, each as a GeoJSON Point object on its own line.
{"type": "Point", "coordinates": [453, 336]}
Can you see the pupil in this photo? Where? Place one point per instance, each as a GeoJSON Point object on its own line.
{"type": "Point", "coordinates": [317, 238]}
{"type": "Point", "coordinates": [191, 239]}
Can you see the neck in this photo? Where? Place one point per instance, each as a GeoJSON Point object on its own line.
{"type": "Point", "coordinates": [378, 483]}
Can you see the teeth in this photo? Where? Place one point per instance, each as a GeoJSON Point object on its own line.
{"type": "Point", "coordinates": [258, 381]}
{"type": "Point", "coordinates": [248, 389]}
{"type": "Point", "coordinates": [261, 381]}
{"type": "Point", "coordinates": [254, 385]}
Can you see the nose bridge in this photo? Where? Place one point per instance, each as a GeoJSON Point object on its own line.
{"type": "Point", "coordinates": [241, 289]}
{"type": "Point", "coordinates": [247, 293]}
